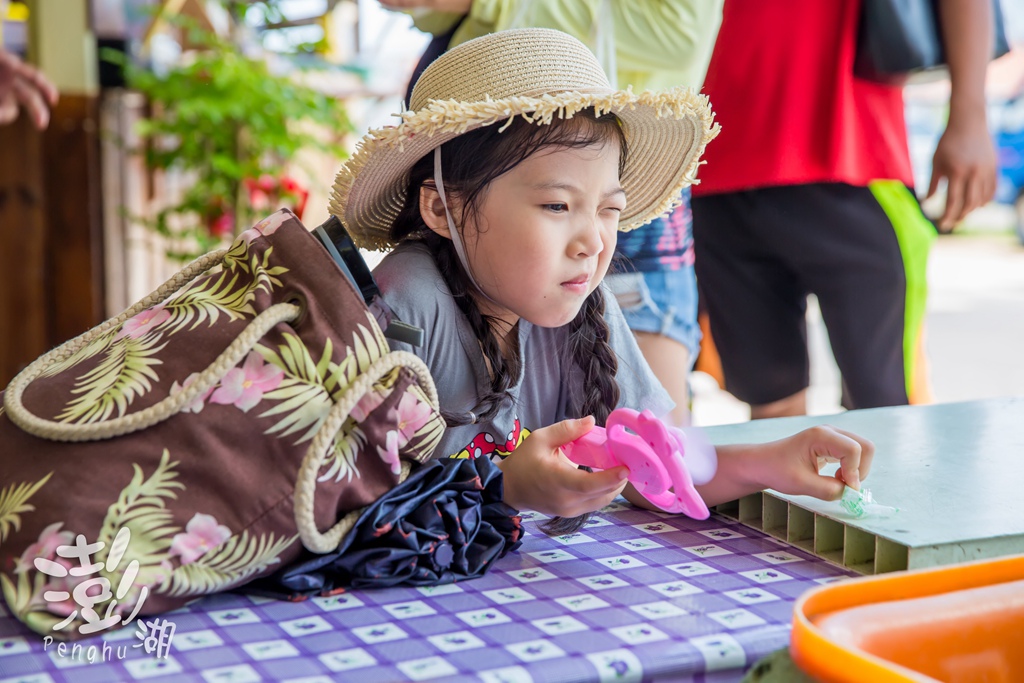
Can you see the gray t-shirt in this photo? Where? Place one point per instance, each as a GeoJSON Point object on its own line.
{"type": "Point", "coordinates": [412, 285]}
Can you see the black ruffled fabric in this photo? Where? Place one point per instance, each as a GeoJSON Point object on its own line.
{"type": "Point", "coordinates": [445, 523]}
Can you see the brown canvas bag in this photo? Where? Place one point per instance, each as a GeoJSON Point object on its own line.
{"type": "Point", "coordinates": [247, 408]}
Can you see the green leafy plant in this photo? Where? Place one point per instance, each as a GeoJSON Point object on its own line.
{"type": "Point", "coordinates": [232, 127]}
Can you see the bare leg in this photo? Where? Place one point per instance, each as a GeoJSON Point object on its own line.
{"type": "Point", "coordinates": [668, 360]}
{"type": "Point", "coordinates": [787, 407]}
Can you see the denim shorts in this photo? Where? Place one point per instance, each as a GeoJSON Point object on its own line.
{"type": "Point", "coordinates": [661, 302]}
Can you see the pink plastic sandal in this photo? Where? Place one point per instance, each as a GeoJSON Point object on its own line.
{"type": "Point", "coordinates": [654, 455]}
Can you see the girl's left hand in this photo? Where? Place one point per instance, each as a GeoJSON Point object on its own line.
{"type": "Point", "coordinates": [792, 465]}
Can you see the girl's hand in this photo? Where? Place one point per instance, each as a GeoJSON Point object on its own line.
{"type": "Point", "coordinates": [538, 476]}
{"type": "Point", "coordinates": [792, 465]}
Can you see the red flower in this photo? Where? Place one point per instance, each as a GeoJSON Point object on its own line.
{"type": "Point", "coordinates": [299, 194]}
{"type": "Point", "coordinates": [268, 193]}
{"type": "Point", "coordinates": [223, 225]}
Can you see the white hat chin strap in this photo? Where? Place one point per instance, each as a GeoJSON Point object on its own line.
{"type": "Point", "coordinates": [460, 249]}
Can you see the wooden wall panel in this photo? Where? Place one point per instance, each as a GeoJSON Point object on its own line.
{"type": "Point", "coordinates": [50, 232]}
{"type": "Point", "coordinates": [74, 217]}
{"type": "Point", "coordinates": [23, 285]}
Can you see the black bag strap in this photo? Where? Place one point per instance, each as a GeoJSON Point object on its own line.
{"type": "Point", "coordinates": [343, 250]}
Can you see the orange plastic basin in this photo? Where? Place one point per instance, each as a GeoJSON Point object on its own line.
{"type": "Point", "coordinates": [954, 624]}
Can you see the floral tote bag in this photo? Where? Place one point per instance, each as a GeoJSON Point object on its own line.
{"type": "Point", "coordinates": [242, 414]}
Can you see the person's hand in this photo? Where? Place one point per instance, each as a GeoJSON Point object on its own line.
{"type": "Point", "coordinates": [455, 6]}
{"type": "Point", "coordinates": [966, 157]}
{"type": "Point", "coordinates": [792, 465]}
{"type": "Point", "coordinates": [21, 84]}
{"type": "Point", "coordinates": [538, 476]}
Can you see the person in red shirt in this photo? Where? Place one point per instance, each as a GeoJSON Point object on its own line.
{"type": "Point", "coordinates": [807, 190]}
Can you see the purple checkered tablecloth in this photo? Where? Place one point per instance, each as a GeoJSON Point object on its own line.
{"type": "Point", "coordinates": [635, 596]}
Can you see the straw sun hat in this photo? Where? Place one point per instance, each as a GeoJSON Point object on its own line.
{"type": "Point", "coordinates": [538, 74]}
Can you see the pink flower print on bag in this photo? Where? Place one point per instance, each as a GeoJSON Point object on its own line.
{"type": "Point", "coordinates": [244, 387]}
{"type": "Point", "coordinates": [46, 547]}
{"type": "Point", "coordinates": [143, 322]}
{"type": "Point", "coordinates": [196, 405]}
{"type": "Point", "coordinates": [202, 534]}
{"type": "Point", "coordinates": [389, 454]}
{"type": "Point", "coordinates": [57, 594]}
{"type": "Point", "coordinates": [412, 415]}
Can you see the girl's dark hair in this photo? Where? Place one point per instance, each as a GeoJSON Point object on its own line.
{"type": "Point", "coordinates": [469, 163]}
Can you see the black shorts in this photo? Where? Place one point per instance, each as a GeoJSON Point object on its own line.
{"type": "Point", "coordinates": [759, 253]}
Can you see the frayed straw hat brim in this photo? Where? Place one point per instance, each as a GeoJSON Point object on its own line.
{"type": "Point", "coordinates": [666, 132]}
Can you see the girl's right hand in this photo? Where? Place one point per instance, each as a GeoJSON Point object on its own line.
{"type": "Point", "coordinates": [538, 476]}
{"type": "Point", "coordinates": [791, 466]}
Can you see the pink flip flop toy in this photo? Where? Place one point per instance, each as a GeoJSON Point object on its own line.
{"type": "Point", "coordinates": [664, 462]}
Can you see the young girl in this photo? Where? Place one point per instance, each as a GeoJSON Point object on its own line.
{"type": "Point", "coordinates": [501, 193]}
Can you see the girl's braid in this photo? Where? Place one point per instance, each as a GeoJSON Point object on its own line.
{"type": "Point", "coordinates": [589, 346]}
{"type": "Point", "coordinates": [504, 371]}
